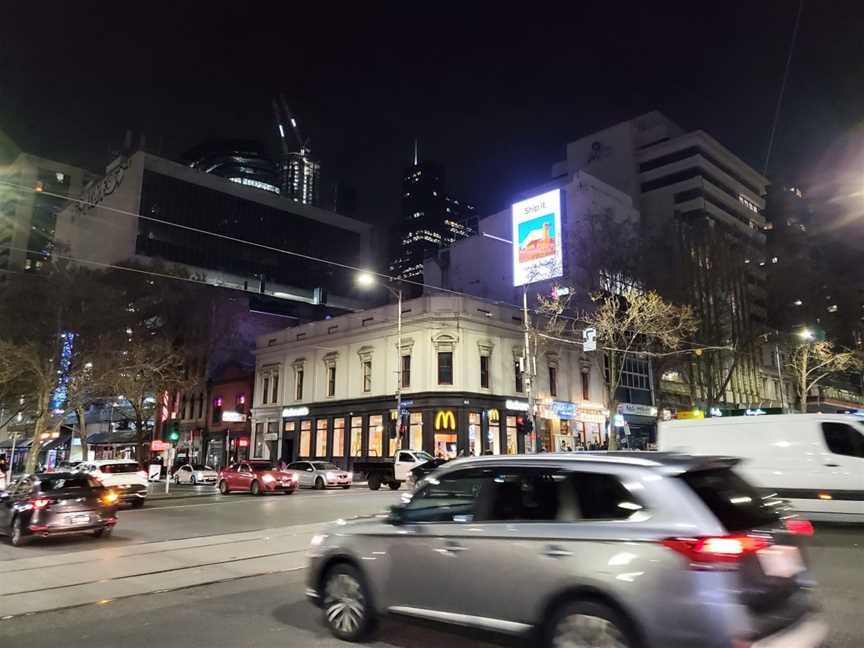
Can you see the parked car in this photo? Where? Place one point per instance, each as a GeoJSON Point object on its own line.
{"type": "Point", "coordinates": [392, 471]}
{"type": "Point", "coordinates": [195, 474]}
{"type": "Point", "coordinates": [321, 474]}
{"type": "Point", "coordinates": [59, 503]}
{"type": "Point", "coordinates": [257, 477]}
{"type": "Point", "coordinates": [124, 477]}
{"type": "Point", "coordinates": [813, 460]}
{"type": "Point", "coordinates": [618, 549]}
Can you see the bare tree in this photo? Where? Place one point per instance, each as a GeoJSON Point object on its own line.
{"type": "Point", "coordinates": [811, 362]}
{"type": "Point", "coordinates": [632, 325]}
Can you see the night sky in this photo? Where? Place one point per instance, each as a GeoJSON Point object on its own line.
{"type": "Point", "coordinates": [494, 95]}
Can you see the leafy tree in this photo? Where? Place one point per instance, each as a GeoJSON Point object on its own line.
{"type": "Point", "coordinates": [811, 362]}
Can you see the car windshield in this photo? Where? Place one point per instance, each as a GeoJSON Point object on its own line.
{"type": "Point", "coordinates": [423, 456]}
{"type": "Point", "coordinates": [325, 465]}
{"type": "Point", "coordinates": [261, 465]}
{"type": "Point", "coordinates": [112, 469]}
{"type": "Point", "coordinates": [201, 467]}
{"type": "Point", "coordinates": [737, 505]}
{"type": "Point", "coordinates": [66, 482]}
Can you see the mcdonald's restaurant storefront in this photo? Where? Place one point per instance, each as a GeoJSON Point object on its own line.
{"type": "Point", "coordinates": [443, 424]}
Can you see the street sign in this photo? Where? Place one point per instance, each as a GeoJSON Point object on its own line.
{"type": "Point", "coordinates": [589, 339]}
{"type": "Point", "coordinates": [159, 446]}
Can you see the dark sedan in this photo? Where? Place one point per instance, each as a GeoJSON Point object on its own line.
{"type": "Point", "coordinates": [60, 503]}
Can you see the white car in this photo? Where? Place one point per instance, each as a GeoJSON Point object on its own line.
{"type": "Point", "coordinates": [124, 477]}
{"type": "Point", "coordinates": [321, 474]}
{"type": "Point", "coordinates": [195, 474]}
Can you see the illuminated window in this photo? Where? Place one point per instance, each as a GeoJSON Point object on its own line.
{"type": "Point", "coordinates": [416, 430]}
{"type": "Point", "coordinates": [474, 433]}
{"type": "Point", "coordinates": [321, 428]}
{"type": "Point", "coordinates": [305, 438]}
{"type": "Point", "coordinates": [338, 437]}
{"type": "Point", "coordinates": [512, 447]}
{"type": "Point", "coordinates": [376, 436]}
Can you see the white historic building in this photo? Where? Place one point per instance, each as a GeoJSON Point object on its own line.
{"type": "Point", "coordinates": [328, 389]}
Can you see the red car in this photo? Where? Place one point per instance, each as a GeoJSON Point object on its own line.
{"type": "Point", "coordinates": [256, 476]}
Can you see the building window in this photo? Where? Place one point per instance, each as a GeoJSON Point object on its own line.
{"type": "Point", "coordinates": [484, 372]}
{"type": "Point", "coordinates": [634, 374]}
{"type": "Point", "coordinates": [338, 449]}
{"type": "Point", "coordinates": [406, 371]}
{"type": "Point", "coordinates": [265, 390]}
{"type": "Point", "coordinates": [517, 374]}
{"type": "Point", "coordinates": [445, 367]}
{"type": "Point", "coordinates": [367, 376]}
{"type": "Point", "coordinates": [586, 384]}
{"type": "Point", "coordinates": [217, 410]}
{"type": "Point", "coordinates": [258, 439]}
{"type": "Point", "coordinates": [553, 381]}
{"type": "Point", "coordinates": [331, 380]}
{"type": "Point", "coordinates": [275, 398]}
{"type": "Point", "coordinates": [298, 385]}
{"type": "Point", "coordinates": [416, 430]}
{"type": "Point", "coordinates": [321, 428]}
{"type": "Point", "coordinates": [356, 436]}
{"type": "Point", "coordinates": [305, 438]}
{"type": "Point", "coordinates": [474, 434]}
{"type": "Point", "coordinates": [512, 446]}
{"type": "Point", "coordinates": [376, 436]}
{"type": "Point", "coordinates": [201, 406]}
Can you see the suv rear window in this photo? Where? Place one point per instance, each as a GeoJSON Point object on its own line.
{"type": "Point", "coordinates": [67, 482]}
{"type": "Point", "coordinates": [737, 504]}
{"type": "Point", "coordinates": [114, 469]}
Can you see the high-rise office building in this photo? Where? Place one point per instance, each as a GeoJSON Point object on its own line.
{"type": "Point", "coordinates": [431, 219]}
{"type": "Point", "coordinates": [301, 178]}
{"type": "Point", "coordinates": [239, 161]}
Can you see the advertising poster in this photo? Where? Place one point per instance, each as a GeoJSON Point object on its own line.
{"type": "Point", "coordinates": [537, 240]}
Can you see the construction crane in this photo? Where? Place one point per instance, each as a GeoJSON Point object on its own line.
{"type": "Point", "coordinates": [283, 115]}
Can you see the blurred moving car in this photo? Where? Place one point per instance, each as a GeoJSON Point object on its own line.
{"type": "Point", "coordinates": [258, 477]}
{"type": "Point", "coordinates": [394, 471]}
{"type": "Point", "coordinates": [195, 474]}
{"type": "Point", "coordinates": [619, 549]}
{"type": "Point", "coordinates": [124, 477]}
{"type": "Point", "coordinates": [321, 474]}
{"type": "Point", "coordinates": [59, 503]}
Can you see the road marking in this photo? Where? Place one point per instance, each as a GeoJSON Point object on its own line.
{"type": "Point", "coordinates": [239, 501]}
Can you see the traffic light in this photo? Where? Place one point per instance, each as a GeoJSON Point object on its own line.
{"type": "Point", "coordinates": [524, 425]}
{"type": "Point", "coordinates": [172, 432]}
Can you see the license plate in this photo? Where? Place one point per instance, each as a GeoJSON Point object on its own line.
{"type": "Point", "coordinates": [79, 519]}
{"type": "Point", "coordinates": [781, 561]}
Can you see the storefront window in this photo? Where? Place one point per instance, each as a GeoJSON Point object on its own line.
{"type": "Point", "coordinates": [356, 436]}
{"type": "Point", "coordinates": [338, 437]}
{"type": "Point", "coordinates": [290, 426]}
{"type": "Point", "coordinates": [258, 441]}
{"type": "Point", "coordinates": [512, 447]}
{"type": "Point", "coordinates": [321, 437]}
{"type": "Point", "coordinates": [445, 445]}
{"type": "Point", "coordinates": [376, 436]}
{"type": "Point", "coordinates": [493, 433]}
{"type": "Point", "coordinates": [394, 443]}
{"type": "Point", "coordinates": [474, 432]}
{"type": "Point", "coordinates": [416, 432]}
{"type": "Point", "coordinates": [306, 438]}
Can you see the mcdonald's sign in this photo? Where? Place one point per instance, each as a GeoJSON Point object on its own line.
{"type": "Point", "coordinates": [445, 420]}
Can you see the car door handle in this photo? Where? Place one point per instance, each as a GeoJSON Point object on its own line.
{"type": "Point", "coordinates": [554, 551]}
{"type": "Point", "coordinates": [454, 547]}
{"type": "Point", "coordinates": [832, 465]}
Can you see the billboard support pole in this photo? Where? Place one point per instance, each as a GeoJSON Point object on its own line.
{"type": "Point", "coordinates": [527, 362]}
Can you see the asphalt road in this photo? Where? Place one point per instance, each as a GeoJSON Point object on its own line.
{"type": "Point", "coordinates": [271, 609]}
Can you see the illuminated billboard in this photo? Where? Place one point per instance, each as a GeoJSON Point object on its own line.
{"type": "Point", "coordinates": [537, 240]}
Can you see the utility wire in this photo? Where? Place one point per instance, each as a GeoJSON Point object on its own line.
{"type": "Point", "coordinates": [783, 87]}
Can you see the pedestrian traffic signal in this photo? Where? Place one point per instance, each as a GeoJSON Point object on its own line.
{"type": "Point", "coordinates": [524, 425]}
{"type": "Point", "coordinates": [174, 436]}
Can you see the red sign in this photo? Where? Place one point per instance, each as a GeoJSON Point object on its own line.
{"type": "Point", "coordinates": [159, 446]}
{"type": "Point", "coordinates": [243, 442]}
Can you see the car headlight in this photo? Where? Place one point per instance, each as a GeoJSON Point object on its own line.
{"type": "Point", "coordinates": [331, 476]}
{"type": "Point", "coordinates": [350, 475]}
{"type": "Point", "coordinates": [318, 539]}
{"type": "Point", "coordinates": [268, 478]}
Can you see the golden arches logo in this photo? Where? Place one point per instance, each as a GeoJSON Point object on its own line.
{"type": "Point", "coordinates": [445, 420]}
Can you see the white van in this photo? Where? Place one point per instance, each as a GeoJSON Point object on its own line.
{"type": "Point", "coordinates": [816, 461]}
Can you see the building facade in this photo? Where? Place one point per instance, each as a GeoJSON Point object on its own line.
{"type": "Point", "coordinates": [431, 219]}
{"type": "Point", "coordinates": [28, 217]}
{"type": "Point", "coordinates": [328, 389]}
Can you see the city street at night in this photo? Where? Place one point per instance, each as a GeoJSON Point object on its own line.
{"type": "Point", "coordinates": [230, 571]}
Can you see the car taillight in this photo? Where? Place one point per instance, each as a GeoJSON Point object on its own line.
{"type": "Point", "coordinates": [799, 527]}
{"type": "Point", "coordinates": [110, 497]}
{"type": "Point", "coordinates": [142, 473]}
{"type": "Point", "coordinates": [40, 503]}
{"type": "Point", "coordinates": [717, 549]}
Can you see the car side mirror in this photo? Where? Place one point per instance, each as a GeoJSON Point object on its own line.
{"type": "Point", "coordinates": [396, 517]}
{"type": "Point", "coordinates": [309, 470]}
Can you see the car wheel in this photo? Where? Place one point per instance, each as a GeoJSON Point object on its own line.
{"type": "Point", "coordinates": [193, 481]}
{"type": "Point", "coordinates": [374, 482]}
{"type": "Point", "coordinates": [346, 487]}
{"type": "Point", "coordinates": [17, 537]}
{"type": "Point", "coordinates": [319, 484]}
{"type": "Point", "coordinates": [137, 503]}
{"type": "Point", "coordinates": [223, 487]}
{"type": "Point", "coordinates": [586, 623]}
{"type": "Point", "coordinates": [346, 603]}
{"type": "Point", "coordinates": [255, 488]}
{"type": "Point", "coordinates": [104, 532]}
{"type": "Point", "coordinates": [394, 485]}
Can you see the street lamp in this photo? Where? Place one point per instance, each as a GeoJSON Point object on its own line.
{"type": "Point", "coordinates": [366, 279]}
{"type": "Point", "coordinates": [806, 334]}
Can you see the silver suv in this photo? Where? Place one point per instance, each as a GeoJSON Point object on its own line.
{"type": "Point", "coordinates": [619, 549]}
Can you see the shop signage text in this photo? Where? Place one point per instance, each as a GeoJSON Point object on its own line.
{"type": "Point", "coordinates": [233, 417]}
{"type": "Point", "coordinates": [516, 405]}
{"type": "Point", "coordinates": [564, 409]}
{"type": "Point", "coordinates": [635, 409]}
{"type": "Point", "coordinates": [289, 412]}
{"type": "Point", "coordinates": [159, 446]}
